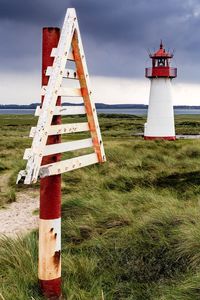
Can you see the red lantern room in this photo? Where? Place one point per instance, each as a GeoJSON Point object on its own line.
{"type": "Point", "coordinates": [161, 65]}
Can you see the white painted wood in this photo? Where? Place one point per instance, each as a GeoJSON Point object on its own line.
{"type": "Point", "coordinates": [68, 73]}
{"type": "Point", "coordinates": [55, 51]}
{"type": "Point", "coordinates": [68, 146]}
{"type": "Point", "coordinates": [64, 128]}
{"type": "Point", "coordinates": [62, 147]}
{"type": "Point", "coordinates": [32, 132]}
{"type": "Point", "coordinates": [68, 165]}
{"type": "Point", "coordinates": [39, 148]}
{"type": "Point", "coordinates": [50, 98]}
{"type": "Point", "coordinates": [64, 110]}
{"type": "Point", "coordinates": [37, 111]}
{"type": "Point", "coordinates": [27, 153]}
{"type": "Point", "coordinates": [64, 92]}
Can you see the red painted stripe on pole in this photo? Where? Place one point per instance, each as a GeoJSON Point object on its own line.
{"type": "Point", "coordinates": [50, 187]}
{"type": "Point", "coordinates": [167, 138]}
{"type": "Point", "coordinates": [51, 288]}
{"type": "Point", "coordinates": [50, 192]}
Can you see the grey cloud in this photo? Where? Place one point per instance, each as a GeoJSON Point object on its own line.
{"type": "Point", "coordinates": [116, 34]}
{"type": "Point", "coordinates": [28, 11]}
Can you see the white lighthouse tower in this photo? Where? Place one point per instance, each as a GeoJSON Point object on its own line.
{"type": "Point", "coordinates": [160, 117]}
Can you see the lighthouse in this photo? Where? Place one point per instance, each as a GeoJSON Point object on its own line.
{"type": "Point", "coordinates": [160, 117]}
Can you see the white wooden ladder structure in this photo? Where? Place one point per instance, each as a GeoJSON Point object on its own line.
{"type": "Point", "coordinates": [69, 49]}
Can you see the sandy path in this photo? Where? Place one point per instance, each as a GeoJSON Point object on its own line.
{"type": "Point", "coordinates": [18, 218]}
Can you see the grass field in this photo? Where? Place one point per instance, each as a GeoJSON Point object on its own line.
{"type": "Point", "coordinates": [131, 227]}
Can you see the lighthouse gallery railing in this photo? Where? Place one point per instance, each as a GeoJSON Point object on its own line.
{"type": "Point", "coordinates": [161, 72]}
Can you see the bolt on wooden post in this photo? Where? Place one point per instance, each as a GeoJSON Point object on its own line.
{"type": "Point", "coordinates": [49, 270]}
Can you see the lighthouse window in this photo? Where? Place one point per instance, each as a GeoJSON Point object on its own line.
{"type": "Point", "coordinates": [161, 62]}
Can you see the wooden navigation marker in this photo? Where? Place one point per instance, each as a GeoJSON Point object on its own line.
{"type": "Point", "coordinates": [44, 157]}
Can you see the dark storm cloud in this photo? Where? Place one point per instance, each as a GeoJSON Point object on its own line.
{"type": "Point", "coordinates": [28, 11]}
{"type": "Point", "coordinates": [116, 34]}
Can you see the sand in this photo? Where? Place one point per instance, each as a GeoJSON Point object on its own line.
{"type": "Point", "coordinates": [18, 218]}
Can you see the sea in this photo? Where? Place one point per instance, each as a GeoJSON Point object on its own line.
{"type": "Point", "coordinates": [131, 111]}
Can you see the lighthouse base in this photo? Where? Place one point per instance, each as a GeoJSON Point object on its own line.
{"type": "Point", "coordinates": [167, 138]}
{"type": "Point", "coordinates": [160, 117]}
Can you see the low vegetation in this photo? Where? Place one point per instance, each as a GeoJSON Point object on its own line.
{"type": "Point", "coordinates": [130, 227]}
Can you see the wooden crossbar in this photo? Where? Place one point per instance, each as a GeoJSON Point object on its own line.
{"type": "Point", "coordinates": [68, 73]}
{"type": "Point", "coordinates": [68, 165]}
{"type": "Point", "coordinates": [64, 128]}
{"type": "Point", "coordinates": [64, 110]}
{"type": "Point", "coordinates": [55, 51]}
{"type": "Point", "coordinates": [61, 147]}
{"type": "Point", "coordinates": [64, 92]}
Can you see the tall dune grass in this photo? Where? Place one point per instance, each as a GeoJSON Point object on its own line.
{"type": "Point", "coordinates": [130, 227]}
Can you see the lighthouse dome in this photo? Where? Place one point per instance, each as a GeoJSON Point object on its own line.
{"type": "Point", "coordinates": [161, 53]}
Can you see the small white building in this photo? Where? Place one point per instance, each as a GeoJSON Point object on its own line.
{"type": "Point", "coordinates": [160, 117]}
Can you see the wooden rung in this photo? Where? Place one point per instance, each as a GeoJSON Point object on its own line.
{"type": "Point", "coordinates": [64, 128]}
{"type": "Point", "coordinates": [67, 146]}
{"type": "Point", "coordinates": [64, 110]}
{"type": "Point", "coordinates": [70, 56]}
{"type": "Point", "coordinates": [68, 165]}
{"type": "Point", "coordinates": [68, 73]}
{"type": "Point", "coordinates": [62, 147]}
{"type": "Point", "coordinates": [65, 92]}
{"type": "Point", "coordinates": [70, 92]}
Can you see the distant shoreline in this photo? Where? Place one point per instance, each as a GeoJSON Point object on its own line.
{"type": "Point", "coordinates": [98, 106]}
{"type": "Point", "coordinates": [113, 111]}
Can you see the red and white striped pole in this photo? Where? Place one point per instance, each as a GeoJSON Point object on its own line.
{"type": "Point", "coordinates": [49, 269]}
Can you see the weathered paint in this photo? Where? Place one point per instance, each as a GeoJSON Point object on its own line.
{"type": "Point", "coordinates": [50, 203]}
{"type": "Point", "coordinates": [68, 73]}
{"type": "Point", "coordinates": [64, 92]}
{"type": "Point", "coordinates": [43, 158]}
{"type": "Point", "coordinates": [70, 55]}
{"type": "Point", "coordinates": [82, 72]}
{"type": "Point", "coordinates": [69, 44]}
{"type": "Point", "coordinates": [64, 128]}
{"type": "Point", "coordinates": [64, 110]}
{"type": "Point", "coordinates": [49, 266]}
{"type": "Point", "coordinates": [51, 96]}
{"type": "Point", "coordinates": [68, 165]}
{"type": "Point", "coordinates": [49, 249]}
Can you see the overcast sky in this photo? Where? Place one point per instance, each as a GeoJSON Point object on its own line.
{"type": "Point", "coordinates": [116, 36]}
